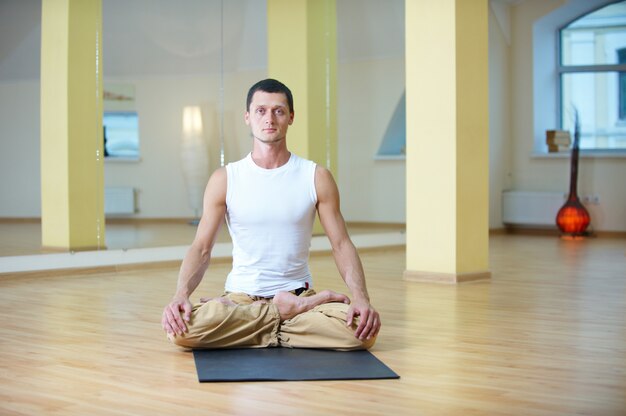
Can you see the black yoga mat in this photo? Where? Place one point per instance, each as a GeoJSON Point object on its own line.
{"type": "Point", "coordinates": [288, 364]}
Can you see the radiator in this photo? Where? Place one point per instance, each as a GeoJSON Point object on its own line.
{"type": "Point", "coordinates": [119, 200]}
{"type": "Point", "coordinates": [526, 208]}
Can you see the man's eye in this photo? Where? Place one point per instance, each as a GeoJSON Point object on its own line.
{"type": "Point", "coordinates": [260, 111]}
{"type": "Point", "coordinates": [279, 112]}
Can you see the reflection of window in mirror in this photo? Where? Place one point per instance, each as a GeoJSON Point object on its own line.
{"type": "Point", "coordinates": [121, 134]}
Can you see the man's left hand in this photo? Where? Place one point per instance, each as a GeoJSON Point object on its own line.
{"type": "Point", "coordinates": [369, 320]}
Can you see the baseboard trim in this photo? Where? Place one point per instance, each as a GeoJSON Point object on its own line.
{"type": "Point", "coordinates": [377, 225]}
{"type": "Point", "coordinates": [445, 278]}
{"type": "Point", "coordinates": [554, 232]}
{"type": "Point", "coordinates": [20, 220]}
{"type": "Point", "coordinates": [53, 249]}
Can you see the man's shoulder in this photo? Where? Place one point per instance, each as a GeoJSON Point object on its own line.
{"type": "Point", "coordinates": [218, 177]}
{"type": "Point", "coordinates": [323, 173]}
{"type": "Point", "coordinates": [219, 173]}
{"type": "Point", "coordinates": [324, 180]}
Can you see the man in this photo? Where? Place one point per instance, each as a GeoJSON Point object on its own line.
{"type": "Point", "coordinates": [269, 200]}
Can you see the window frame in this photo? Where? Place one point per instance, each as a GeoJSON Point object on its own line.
{"type": "Point", "coordinates": [561, 70]}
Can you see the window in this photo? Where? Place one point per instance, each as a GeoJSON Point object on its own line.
{"type": "Point", "coordinates": [121, 134]}
{"type": "Point", "coordinates": [592, 77]}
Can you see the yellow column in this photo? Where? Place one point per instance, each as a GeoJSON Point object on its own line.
{"type": "Point", "coordinates": [302, 54]}
{"type": "Point", "coordinates": [72, 202]}
{"type": "Point", "coordinates": [447, 140]}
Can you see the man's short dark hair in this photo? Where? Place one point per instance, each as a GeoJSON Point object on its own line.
{"type": "Point", "coordinates": [273, 86]}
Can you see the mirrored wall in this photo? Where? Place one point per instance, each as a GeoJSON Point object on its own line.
{"type": "Point", "coordinates": [175, 78]}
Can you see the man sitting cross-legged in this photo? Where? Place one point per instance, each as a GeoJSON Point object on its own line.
{"type": "Point", "coordinates": [269, 200]}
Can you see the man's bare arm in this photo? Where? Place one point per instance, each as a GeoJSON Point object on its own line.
{"type": "Point", "coordinates": [345, 254]}
{"type": "Point", "coordinates": [198, 256]}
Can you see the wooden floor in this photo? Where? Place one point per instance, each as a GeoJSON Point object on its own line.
{"type": "Point", "coordinates": [546, 336]}
{"type": "Point", "coordinates": [18, 238]}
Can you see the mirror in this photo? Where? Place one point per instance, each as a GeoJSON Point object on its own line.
{"type": "Point", "coordinates": [161, 57]}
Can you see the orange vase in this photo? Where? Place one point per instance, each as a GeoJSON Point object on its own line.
{"type": "Point", "coordinates": [573, 218]}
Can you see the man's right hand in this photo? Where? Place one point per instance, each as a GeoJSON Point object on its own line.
{"type": "Point", "coordinates": [176, 315]}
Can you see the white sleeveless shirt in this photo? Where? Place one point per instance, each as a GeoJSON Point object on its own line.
{"type": "Point", "coordinates": [270, 215]}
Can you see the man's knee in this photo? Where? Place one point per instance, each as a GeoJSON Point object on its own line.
{"type": "Point", "coordinates": [368, 343]}
{"type": "Point", "coordinates": [182, 341]}
{"type": "Point", "coordinates": [352, 343]}
{"type": "Point", "coordinates": [323, 327]}
{"type": "Point", "coordinates": [204, 318]}
{"type": "Point", "coordinates": [188, 339]}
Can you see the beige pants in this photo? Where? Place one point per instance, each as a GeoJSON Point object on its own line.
{"type": "Point", "coordinates": [255, 323]}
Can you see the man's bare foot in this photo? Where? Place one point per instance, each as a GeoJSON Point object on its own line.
{"type": "Point", "coordinates": [290, 305]}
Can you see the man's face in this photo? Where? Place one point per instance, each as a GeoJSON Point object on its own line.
{"type": "Point", "coordinates": [269, 117]}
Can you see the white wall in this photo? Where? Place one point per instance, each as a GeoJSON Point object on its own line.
{"type": "Point", "coordinates": [370, 46]}
{"type": "Point", "coordinates": [372, 190]}
{"type": "Point", "coordinates": [499, 110]}
{"type": "Point", "coordinates": [20, 180]}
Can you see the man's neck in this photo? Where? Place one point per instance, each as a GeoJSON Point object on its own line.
{"type": "Point", "coordinates": [270, 156]}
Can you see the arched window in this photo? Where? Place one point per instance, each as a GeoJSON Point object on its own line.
{"type": "Point", "coordinates": [592, 77]}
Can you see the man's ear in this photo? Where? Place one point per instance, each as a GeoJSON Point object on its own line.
{"type": "Point", "coordinates": [291, 115]}
{"type": "Point", "coordinates": [246, 118]}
